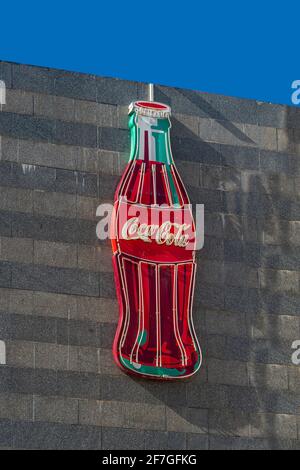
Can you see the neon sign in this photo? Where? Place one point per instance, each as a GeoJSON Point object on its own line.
{"type": "Point", "coordinates": [153, 243]}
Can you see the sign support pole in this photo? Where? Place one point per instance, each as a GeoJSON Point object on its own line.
{"type": "Point", "coordinates": [151, 92]}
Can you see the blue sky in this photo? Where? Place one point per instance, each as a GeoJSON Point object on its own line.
{"type": "Point", "coordinates": [244, 49]}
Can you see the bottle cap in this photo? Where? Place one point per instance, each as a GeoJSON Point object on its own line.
{"type": "Point", "coordinates": [150, 108]}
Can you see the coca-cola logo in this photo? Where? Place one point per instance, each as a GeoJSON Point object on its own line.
{"type": "Point", "coordinates": [167, 233]}
{"type": "Point", "coordinates": [163, 225]}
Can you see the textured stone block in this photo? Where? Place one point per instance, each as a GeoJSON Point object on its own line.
{"type": "Point", "coordinates": [225, 323]}
{"type": "Point", "coordinates": [273, 115]}
{"type": "Point", "coordinates": [27, 127]}
{"type": "Point", "coordinates": [85, 111]}
{"type": "Point", "coordinates": [297, 141]}
{"type": "Point", "coordinates": [78, 333]}
{"type": "Point", "coordinates": [228, 443]}
{"type": "Point", "coordinates": [207, 396]}
{"type": "Point", "coordinates": [86, 208]}
{"type": "Point", "coordinates": [20, 301]}
{"type": "Point", "coordinates": [211, 177]}
{"type": "Point", "coordinates": [54, 107]}
{"type": "Point", "coordinates": [270, 183]}
{"type": "Point", "coordinates": [75, 384]}
{"type": "Point", "coordinates": [6, 433]}
{"type": "Point", "coordinates": [293, 117]}
{"type": "Point", "coordinates": [16, 249]}
{"type": "Point", "coordinates": [90, 412]}
{"type": "Point", "coordinates": [31, 381]}
{"type": "Point", "coordinates": [59, 280]}
{"type": "Point", "coordinates": [187, 420]}
{"type": "Point", "coordinates": [122, 439]}
{"type": "Point", "coordinates": [87, 184]}
{"type": "Point", "coordinates": [95, 258]}
{"type": "Point", "coordinates": [197, 442]}
{"type": "Point", "coordinates": [57, 156]}
{"type": "Point", "coordinates": [53, 305]}
{"type": "Point", "coordinates": [224, 132]}
{"type": "Point", "coordinates": [177, 440]}
{"type": "Point", "coordinates": [107, 364]}
{"type": "Point", "coordinates": [158, 440]}
{"type": "Point", "coordinates": [229, 423]}
{"type": "Point", "coordinates": [277, 302]}
{"type": "Point", "coordinates": [213, 249]}
{"type": "Point", "coordinates": [283, 426]}
{"type": "Point", "coordinates": [294, 233]}
{"type": "Point", "coordinates": [102, 161]}
{"type": "Point", "coordinates": [5, 274]}
{"type": "Point", "coordinates": [294, 378]}
{"type": "Point", "coordinates": [51, 356]}
{"type": "Point", "coordinates": [285, 140]}
{"type": "Point", "coordinates": [23, 175]}
{"type": "Point", "coordinates": [212, 200]}
{"type": "Point", "coordinates": [224, 372]}
{"type": "Point", "coordinates": [18, 101]}
{"type": "Point", "coordinates": [114, 91]}
{"type": "Point", "coordinates": [5, 224]}
{"type": "Point", "coordinates": [246, 158]}
{"type": "Point", "coordinates": [189, 172]}
{"type": "Point", "coordinates": [119, 389]}
{"type": "Point", "coordinates": [244, 399]}
{"type": "Point", "coordinates": [13, 199]}
{"type": "Point", "coordinates": [32, 328]}
{"type": "Point", "coordinates": [242, 300]}
{"type": "Point", "coordinates": [50, 436]}
{"type": "Point", "coordinates": [238, 274]}
{"type": "Point", "coordinates": [55, 409]}
{"type": "Point", "coordinates": [54, 204]}
{"type": "Point", "coordinates": [20, 353]}
{"type": "Point", "coordinates": [84, 359]}
{"type": "Point", "coordinates": [27, 77]}
{"type": "Point", "coordinates": [44, 382]}
{"type": "Point", "coordinates": [212, 271]}
{"type": "Point", "coordinates": [184, 125]}
{"type": "Point", "coordinates": [65, 181]}
{"type": "Point", "coordinates": [6, 73]}
{"type": "Point", "coordinates": [279, 280]}
{"type": "Point", "coordinates": [16, 407]}
{"type": "Point", "coordinates": [268, 375]}
{"type": "Point", "coordinates": [278, 162]}
{"type": "Point", "coordinates": [195, 150]}
{"type": "Point", "coordinates": [106, 333]}
{"type": "Point", "coordinates": [73, 133]}
{"type": "Point", "coordinates": [273, 326]}
{"type": "Point", "coordinates": [263, 137]}
{"type": "Point", "coordinates": [75, 85]}
{"type": "Point", "coordinates": [107, 288]}
{"type": "Point", "coordinates": [55, 254]}
{"type": "Point", "coordinates": [98, 310]}
{"type": "Point", "coordinates": [132, 415]}
{"type": "Point", "coordinates": [112, 139]}
{"type": "Point", "coordinates": [110, 116]}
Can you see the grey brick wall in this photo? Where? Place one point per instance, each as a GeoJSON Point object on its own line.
{"type": "Point", "coordinates": [63, 146]}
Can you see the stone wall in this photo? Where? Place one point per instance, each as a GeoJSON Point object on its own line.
{"type": "Point", "coordinates": [64, 144]}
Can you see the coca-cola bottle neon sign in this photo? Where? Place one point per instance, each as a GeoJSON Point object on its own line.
{"type": "Point", "coordinates": [153, 242]}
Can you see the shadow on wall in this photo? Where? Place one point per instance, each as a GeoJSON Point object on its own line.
{"type": "Point", "coordinates": [239, 252]}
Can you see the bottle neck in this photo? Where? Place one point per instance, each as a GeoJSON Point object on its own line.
{"type": "Point", "coordinates": [150, 139]}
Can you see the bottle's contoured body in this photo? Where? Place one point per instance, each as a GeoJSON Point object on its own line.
{"type": "Point", "coordinates": [153, 241]}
